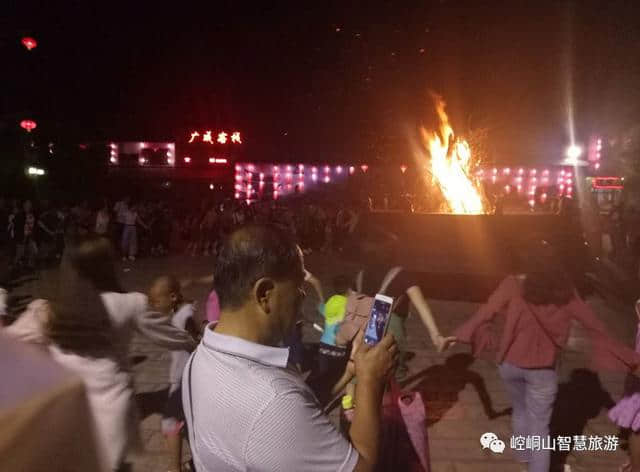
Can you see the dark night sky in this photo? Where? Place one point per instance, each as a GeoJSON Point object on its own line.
{"type": "Point", "coordinates": [343, 80]}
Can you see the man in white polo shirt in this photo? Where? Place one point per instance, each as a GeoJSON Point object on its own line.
{"type": "Point", "coordinates": [246, 408]}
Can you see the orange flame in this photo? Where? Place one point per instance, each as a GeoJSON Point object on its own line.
{"type": "Point", "coordinates": [451, 166]}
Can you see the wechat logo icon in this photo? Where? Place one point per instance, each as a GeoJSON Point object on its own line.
{"type": "Point", "coordinates": [492, 442]}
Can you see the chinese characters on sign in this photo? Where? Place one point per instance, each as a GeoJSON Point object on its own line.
{"type": "Point", "coordinates": [222, 137]}
{"type": "Point", "coordinates": [565, 443]}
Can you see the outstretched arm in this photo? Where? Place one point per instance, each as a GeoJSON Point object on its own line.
{"type": "Point", "coordinates": [315, 283]}
{"type": "Point", "coordinates": [497, 300]}
{"type": "Point", "coordinates": [421, 305]}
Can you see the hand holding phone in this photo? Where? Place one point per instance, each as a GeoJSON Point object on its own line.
{"type": "Point", "coordinates": [378, 319]}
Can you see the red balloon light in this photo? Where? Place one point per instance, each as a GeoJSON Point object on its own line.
{"type": "Point", "coordinates": [28, 125]}
{"type": "Point", "coordinates": [29, 43]}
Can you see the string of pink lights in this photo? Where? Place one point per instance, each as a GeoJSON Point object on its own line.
{"type": "Point", "coordinates": [529, 180]}
{"type": "Point", "coordinates": [252, 180]}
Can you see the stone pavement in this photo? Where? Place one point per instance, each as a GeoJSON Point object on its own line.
{"type": "Point", "coordinates": [456, 388]}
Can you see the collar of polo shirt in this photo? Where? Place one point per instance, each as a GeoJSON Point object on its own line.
{"type": "Point", "coordinates": [274, 356]}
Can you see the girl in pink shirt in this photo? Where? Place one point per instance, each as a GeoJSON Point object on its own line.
{"type": "Point", "coordinates": [538, 309]}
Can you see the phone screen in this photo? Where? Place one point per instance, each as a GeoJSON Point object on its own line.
{"type": "Point", "coordinates": [378, 320]}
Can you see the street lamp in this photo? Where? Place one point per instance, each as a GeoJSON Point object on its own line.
{"type": "Point", "coordinates": [573, 154]}
{"type": "Point", "coordinates": [35, 171]}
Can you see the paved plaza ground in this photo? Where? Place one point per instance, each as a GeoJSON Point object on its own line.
{"type": "Point", "coordinates": [456, 388]}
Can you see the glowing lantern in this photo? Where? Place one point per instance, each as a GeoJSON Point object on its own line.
{"type": "Point", "coordinates": [314, 177]}
{"type": "Point", "coordinates": [29, 43]}
{"type": "Point", "coordinates": [187, 160]}
{"type": "Point", "coordinates": [28, 125]}
{"type": "Point", "coordinates": [326, 169]}
{"type": "Point", "coordinates": [403, 168]}
{"type": "Point", "coordinates": [352, 170]}
{"type": "Point", "coordinates": [237, 195]}
{"type": "Point", "coordinates": [261, 176]}
{"type": "Point", "coordinates": [113, 160]}
{"type": "Point", "coordinates": [339, 169]}
{"type": "Point", "coordinates": [314, 170]}
{"type": "Point", "coordinates": [326, 179]}
{"type": "Point", "coordinates": [520, 171]}
{"type": "Point", "coordinates": [211, 187]}
{"type": "Point", "coordinates": [364, 167]}
{"type": "Point", "coordinates": [506, 170]}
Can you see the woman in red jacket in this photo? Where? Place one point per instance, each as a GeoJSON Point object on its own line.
{"type": "Point", "coordinates": [538, 308]}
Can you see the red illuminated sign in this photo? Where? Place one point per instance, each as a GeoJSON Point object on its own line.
{"type": "Point", "coordinates": [222, 137]}
{"type": "Point", "coordinates": [610, 183]}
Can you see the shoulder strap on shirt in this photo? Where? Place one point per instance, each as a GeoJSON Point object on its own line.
{"type": "Point", "coordinates": [191, 431]}
{"type": "Point", "coordinates": [520, 279]}
{"type": "Point", "coordinates": [542, 327]}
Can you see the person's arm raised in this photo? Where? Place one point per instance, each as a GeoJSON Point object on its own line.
{"type": "Point", "coordinates": [372, 366]}
{"type": "Point", "coordinates": [315, 283]}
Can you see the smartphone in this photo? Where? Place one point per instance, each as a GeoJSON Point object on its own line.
{"type": "Point", "coordinates": [378, 319]}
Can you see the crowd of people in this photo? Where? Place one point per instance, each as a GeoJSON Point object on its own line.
{"type": "Point", "coordinates": [235, 392]}
{"type": "Point", "coordinates": [33, 231]}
